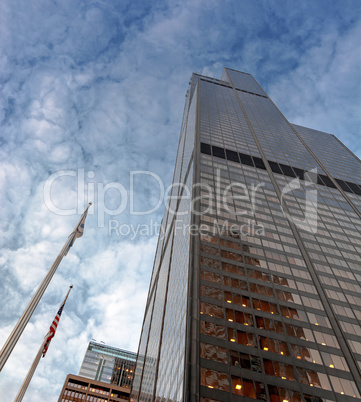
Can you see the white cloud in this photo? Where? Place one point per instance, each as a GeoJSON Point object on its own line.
{"type": "Point", "coordinates": [326, 83]}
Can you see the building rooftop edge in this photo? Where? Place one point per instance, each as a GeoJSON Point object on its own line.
{"type": "Point", "coordinates": [104, 345]}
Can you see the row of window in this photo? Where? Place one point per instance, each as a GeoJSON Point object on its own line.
{"type": "Point", "coordinates": [211, 263]}
{"type": "Point", "coordinates": [230, 230]}
{"type": "Point", "coordinates": [275, 215]}
{"type": "Point", "coordinates": [279, 168]}
{"type": "Point", "coordinates": [328, 280]}
{"type": "Point", "coordinates": [257, 304]}
{"type": "Point", "coordinates": [252, 287]}
{"type": "Point", "coordinates": [257, 390]}
{"type": "Point", "coordinates": [254, 363]}
{"type": "Point", "coordinates": [247, 247]}
{"type": "Point", "coordinates": [257, 289]}
{"type": "Point", "coordinates": [256, 274]}
{"type": "Point", "coordinates": [275, 394]}
{"type": "Point", "coordinates": [268, 344]}
{"type": "Point", "coordinates": [273, 208]}
{"type": "Point", "coordinates": [239, 257]}
{"type": "Point", "coordinates": [267, 324]}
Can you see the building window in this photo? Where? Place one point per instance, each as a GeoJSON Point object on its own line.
{"type": "Point", "coordinates": [214, 379]}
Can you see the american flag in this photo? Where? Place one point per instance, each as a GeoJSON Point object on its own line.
{"type": "Point", "coordinates": [50, 335]}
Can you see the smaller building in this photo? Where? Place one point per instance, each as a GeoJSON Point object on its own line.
{"type": "Point", "coordinates": [78, 388]}
{"type": "Point", "coordinates": [108, 364]}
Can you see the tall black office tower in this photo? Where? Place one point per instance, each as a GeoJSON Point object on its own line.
{"type": "Point", "coordinates": [256, 287]}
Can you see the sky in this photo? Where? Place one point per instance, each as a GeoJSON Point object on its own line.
{"type": "Point", "coordinates": [91, 91]}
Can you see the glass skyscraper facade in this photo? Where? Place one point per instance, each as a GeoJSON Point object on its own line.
{"type": "Point", "coordinates": [108, 364]}
{"type": "Point", "coordinates": [256, 286]}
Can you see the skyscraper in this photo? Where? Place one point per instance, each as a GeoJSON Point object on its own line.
{"type": "Point", "coordinates": [108, 364]}
{"type": "Point", "coordinates": [256, 285]}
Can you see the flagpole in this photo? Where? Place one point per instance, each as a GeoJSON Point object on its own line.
{"type": "Point", "coordinates": [25, 384]}
{"type": "Point", "coordinates": [24, 319]}
{"type": "Point", "coordinates": [29, 376]}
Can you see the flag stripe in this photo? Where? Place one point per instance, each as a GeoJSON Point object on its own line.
{"type": "Point", "coordinates": [50, 335]}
